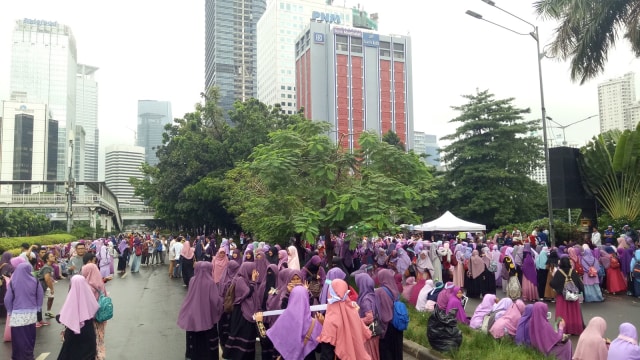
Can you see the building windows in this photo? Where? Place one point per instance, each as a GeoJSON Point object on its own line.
{"type": "Point", "coordinates": [289, 104]}
{"type": "Point", "coordinates": [385, 47]}
{"type": "Point", "coordinates": [342, 43]}
{"type": "Point", "coordinates": [282, 95]}
{"type": "Point", "coordinates": [288, 87]}
{"type": "Point", "coordinates": [281, 87]}
{"type": "Point", "coordinates": [398, 51]}
{"type": "Point", "coordinates": [356, 45]}
{"type": "Point", "coordinates": [289, 96]}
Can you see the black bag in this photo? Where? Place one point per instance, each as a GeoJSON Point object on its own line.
{"type": "Point", "coordinates": [442, 331]}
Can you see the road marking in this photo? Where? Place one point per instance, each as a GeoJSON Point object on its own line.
{"type": "Point", "coordinates": [42, 356]}
{"type": "Point", "coordinates": [124, 276]}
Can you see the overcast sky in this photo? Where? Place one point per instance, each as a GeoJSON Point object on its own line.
{"type": "Point", "coordinates": [155, 50]}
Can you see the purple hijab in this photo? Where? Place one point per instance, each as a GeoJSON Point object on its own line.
{"type": "Point", "coordinates": [625, 256]}
{"type": "Point", "coordinates": [625, 346]}
{"type": "Point", "coordinates": [202, 307]}
{"type": "Point", "coordinates": [227, 276]}
{"type": "Point", "coordinates": [288, 332]}
{"type": "Point", "coordinates": [529, 266]}
{"type": "Point", "coordinates": [25, 295]}
{"type": "Point", "coordinates": [383, 300]}
{"type": "Point", "coordinates": [366, 297]}
{"type": "Point", "coordinates": [455, 303]}
{"type": "Point", "coordinates": [6, 259]}
{"type": "Point", "coordinates": [335, 273]}
{"type": "Point", "coordinates": [123, 245]}
{"type": "Point", "coordinates": [443, 297]}
{"type": "Point", "coordinates": [485, 307]}
{"type": "Point", "coordinates": [261, 265]}
{"type": "Point", "coordinates": [248, 300]}
{"type": "Point", "coordinates": [543, 336]}
{"type": "Point", "coordinates": [403, 261]}
{"type": "Point", "coordinates": [522, 332]}
{"type": "Point", "coordinates": [313, 265]}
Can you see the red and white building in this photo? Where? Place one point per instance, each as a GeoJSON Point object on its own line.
{"type": "Point", "coordinates": [357, 80]}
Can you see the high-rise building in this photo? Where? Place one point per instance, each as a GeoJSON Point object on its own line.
{"type": "Point", "coordinates": [615, 96]}
{"type": "Point", "coordinates": [87, 117]}
{"type": "Point", "coordinates": [123, 162]}
{"type": "Point", "coordinates": [43, 69]}
{"type": "Point", "coordinates": [153, 115]}
{"type": "Point", "coordinates": [278, 30]}
{"type": "Point", "coordinates": [230, 48]}
{"type": "Point", "coordinates": [28, 146]}
{"type": "Point", "coordinates": [428, 145]}
{"type": "Point", "coordinates": [356, 80]}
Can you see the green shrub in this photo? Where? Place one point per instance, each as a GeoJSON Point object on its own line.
{"type": "Point", "coordinates": [13, 244]}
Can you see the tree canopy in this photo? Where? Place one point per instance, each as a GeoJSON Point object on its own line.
{"type": "Point", "coordinates": [302, 183]}
{"type": "Point", "coordinates": [588, 29]}
{"type": "Point", "coordinates": [489, 161]}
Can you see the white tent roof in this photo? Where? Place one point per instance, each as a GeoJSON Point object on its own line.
{"type": "Point", "coordinates": [449, 222]}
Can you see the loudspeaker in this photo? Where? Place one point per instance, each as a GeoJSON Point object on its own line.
{"type": "Point", "coordinates": [565, 182]}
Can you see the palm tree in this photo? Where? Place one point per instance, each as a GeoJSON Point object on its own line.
{"type": "Point", "coordinates": [588, 29]}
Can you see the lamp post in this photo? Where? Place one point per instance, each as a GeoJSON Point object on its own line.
{"type": "Point", "coordinates": [539, 56]}
{"type": "Point", "coordinates": [564, 127]}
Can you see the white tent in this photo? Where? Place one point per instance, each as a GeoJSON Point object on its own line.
{"type": "Point", "coordinates": [449, 222]}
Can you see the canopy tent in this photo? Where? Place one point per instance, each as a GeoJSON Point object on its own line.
{"type": "Point", "coordinates": [449, 222]}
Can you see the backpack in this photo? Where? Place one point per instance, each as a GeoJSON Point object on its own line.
{"type": "Point", "coordinates": [493, 266]}
{"type": "Point", "coordinates": [579, 268]}
{"type": "Point", "coordinates": [400, 319]}
{"type": "Point", "coordinates": [138, 249]}
{"type": "Point", "coordinates": [570, 291]}
{"type": "Point", "coordinates": [105, 311]}
{"type": "Point", "coordinates": [593, 272]}
{"type": "Point", "coordinates": [229, 298]}
{"type": "Point", "coordinates": [636, 269]}
{"type": "Point", "coordinates": [615, 263]}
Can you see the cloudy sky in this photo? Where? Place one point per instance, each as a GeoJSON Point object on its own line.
{"type": "Point", "coordinates": [155, 50]}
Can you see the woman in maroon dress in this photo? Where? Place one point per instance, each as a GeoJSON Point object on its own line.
{"type": "Point", "coordinates": [569, 311]}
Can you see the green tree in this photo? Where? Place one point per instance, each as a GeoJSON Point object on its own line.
{"type": "Point", "coordinates": [610, 166]}
{"type": "Point", "coordinates": [392, 138]}
{"type": "Point", "coordinates": [197, 151]}
{"type": "Point", "coordinates": [489, 160]}
{"type": "Point", "coordinates": [588, 29]}
{"type": "Point", "coordinates": [300, 183]}
{"type": "Point", "coordinates": [19, 222]}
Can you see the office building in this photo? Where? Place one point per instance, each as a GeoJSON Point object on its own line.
{"type": "Point", "coordinates": [43, 70]}
{"type": "Point", "coordinates": [153, 115]}
{"type": "Point", "coordinates": [87, 118]}
{"type": "Point", "coordinates": [278, 29]}
{"type": "Point", "coordinates": [428, 145]}
{"type": "Point", "coordinates": [28, 146]}
{"type": "Point", "coordinates": [230, 48]}
{"type": "Point", "coordinates": [123, 162]}
{"type": "Point", "coordinates": [356, 80]}
{"type": "Point", "coordinates": [616, 98]}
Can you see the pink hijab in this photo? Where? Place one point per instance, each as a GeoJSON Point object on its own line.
{"type": "Point", "coordinates": [591, 345]}
{"type": "Point", "coordinates": [293, 260]}
{"type": "Point", "coordinates": [79, 306]}
{"type": "Point", "coordinates": [219, 264]}
{"type": "Point", "coordinates": [410, 282]}
{"type": "Point", "coordinates": [187, 251]}
{"type": "Point", "coordinates": [91, 272]}
{"type": "Point", "coordinates": [509, 321]}
{"type": "Point", "coordinates": [342, 326]}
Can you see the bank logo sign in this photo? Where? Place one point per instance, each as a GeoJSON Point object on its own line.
{"type": "Point", "coordinates": [369, 39]}
{"type": "Point", "coordinates": [318, 38]}
{"type": "Point", "coordinates": [325, 17]}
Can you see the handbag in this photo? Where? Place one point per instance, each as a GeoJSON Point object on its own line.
{"type": "Point", "coordinates": [315, 289]}
{"type": "Point", "coordinates": [374, 326]}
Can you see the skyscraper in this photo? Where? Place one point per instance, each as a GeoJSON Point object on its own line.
{"type": "Point", "coordinates": [122, 162]}
{"type": "Point", "coordinates": [230, 48]}
{"type": "Point", "coordinates": [87, 118]}
{"type": "Point", "coordinates": [153, 115]}
{"type": "Point", "coordinates": [43, 69]}
{"type": "Point", "coordinates": [428, 145]}
{"type": "Point", "coordinates": [615, 100]}
{"type": "Point", "coordinates": [356, 80]}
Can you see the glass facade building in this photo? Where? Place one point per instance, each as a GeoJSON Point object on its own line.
{"type": "Point", "coordinates": [123, 162]}
{"type": "Point", "coordinates": [153, 115]}
{"type": "Point", "coordinates": [231, 48]}
{"type": "Point", "coordinates": [87, 118]}
{"type": "Point", "coordinates": [43, 69]}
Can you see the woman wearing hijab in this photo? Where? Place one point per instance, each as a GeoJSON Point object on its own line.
{"type": "Point", "coordinates": [494, 255]}
{"type": "Point", "coordinates": [343, 333]}
{"type": "Point", "coordinates": [200, 313]}
{"type": "Point", "coordinates": [23, 300]}
{"type": "Point", "coordinates": [458, 269]}
{"type": "Point", "coordinates": [403, 262]}
{"type": "Point", "coordinates": [225, 282]}
{"type": "Point", "coordinates": [615, 281]}
{"type": "Point", "coordinates": [5, 272]}
{"type": "Point", "coordinates": [509, 273]}
{"type": "Point", "coordinates": [94, 278]}
{"type": "Point", "coordinates": [592, 344]}
{"type": "Point", "coordinates": [625, 346]}
{"type": "Point", "coordinates": [248, 256]}
{"type": "Point", "coordinates": [475, 279]}
{"type": "Point", "coordinates": [105, 260]}
{"type": "Point", "coordinates": [220, 263]}
{"type": "Point", "coordinates": [242, 331]}
{"type": "Point", "coordinates": [544, 337]}
{"type": "Point", "coordinates": [592, 292]}
{"type": "Point", "coordinates": [368, 311]}
{"type": "Point", "coordinates": [443, 296]}
{"type": "Point", "coordinates": [435, 262]}
{"type": "Point", "coordinates": [529, 276]}
{"type": "Point", "coordinates": [187, 261]}
{"type": "Point", "coordinates": [522, 330]}
{"type": "Point", "coordinates": [569, 311]}
{"type": "Point", "coordinates": [508, 323]}
{"type": "Point", "coordinates": [500, 308]}
{"type": "Point", "coordinates": [236, 255]}
{"type": "Point", "coordinates": [381, 258]}
{"type": "Point", "coordinates": [272, 255]}
{"type": "Point", "coordinates": [455, 304]}
{"type": "Point", "coordinates": [421, 301]}
{"type": "Point", "coordinates": [391, 338]}
{"type": "Point", "coordinates": [123, 256]}
{"type": "Point", "coordinates": [294, 334]}
{"type": "Point", "coordinates": [541, 271]}
{"type": "Point", "coordinates": [552, 264]}
{"type": "Point", "coordinates": [407, 288]}
{"type": "Point", "coordinates": [485, 307]}
{"type": "Point", "coordinates": [293, 261]}
{"type": "Point", "coordinates": [283, 258]}
{"type": "Point", "coordinates": [314, 274]}
{"type": "Point", "coordinates": [332, 274]}
{"type": "Point", "coordinates": [76, 315]}
{"type": "Point", "coordinates": [135, 258]}
{"type": "Point", "coordinates": [488, 277]}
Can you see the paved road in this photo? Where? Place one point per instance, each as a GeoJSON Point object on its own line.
{"type": "Point", "coordinates": [146, 307]}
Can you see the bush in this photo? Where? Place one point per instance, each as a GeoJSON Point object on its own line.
{"type": "Point", "coordinates": [14, 244]}
{"type": "Point", "coordinates": [562, 230]}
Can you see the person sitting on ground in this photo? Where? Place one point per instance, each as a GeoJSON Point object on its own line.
{"type": "Point", "coordinates": [544, 337]}
{"type": "Point", "coordinates": [592, 345]}
{"type": "Point", "coordinates": [625, 346]}
{"type": "Point", "coordinates": [455, 302]}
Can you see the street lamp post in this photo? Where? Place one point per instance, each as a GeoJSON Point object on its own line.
{"type": "Point", "coordinates": [564, 127]}
{"type": "Point", "coordinates": [539, 56]}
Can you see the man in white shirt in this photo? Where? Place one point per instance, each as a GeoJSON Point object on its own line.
{"type": "Point", "coordinates": [172, 257]}
{"type": "Point", "coordinates": [177, 249]}
{"type": "Point", "coordinates": [595, 237]}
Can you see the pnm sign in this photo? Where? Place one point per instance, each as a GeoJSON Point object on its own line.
{"type": "Point", "coordinates": [326, 17]}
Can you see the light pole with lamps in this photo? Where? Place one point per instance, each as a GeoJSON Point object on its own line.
{"type": "Point", "coordinates": [539, 56]}
{"type": "Point", "coordinates": [564, 127]}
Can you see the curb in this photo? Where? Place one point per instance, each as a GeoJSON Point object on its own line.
{"type": "Point", "coordinates": [420, 352]}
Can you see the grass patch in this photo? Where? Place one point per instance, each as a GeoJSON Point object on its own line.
{"type": "Point", "coordinates": [475, 344]}
{"type": "Point", "coordinates": [13, 244]}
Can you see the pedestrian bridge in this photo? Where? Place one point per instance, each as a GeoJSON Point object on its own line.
{"type": "Point", "coordinates": [91, 200]}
